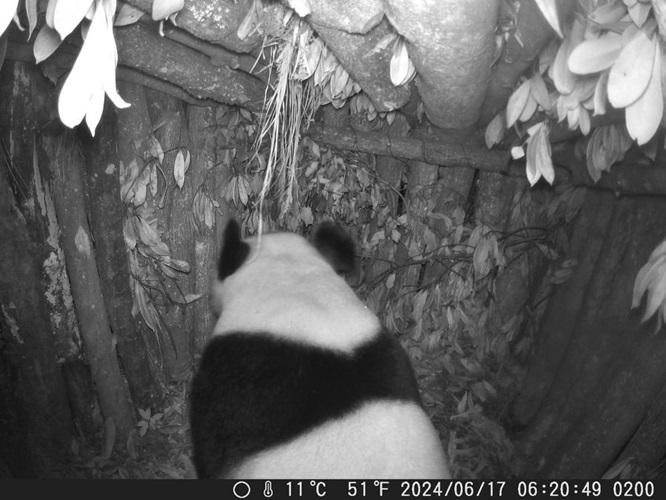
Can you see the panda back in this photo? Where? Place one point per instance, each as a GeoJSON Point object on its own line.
{"type": "Point", "coordinates": [382, 439]}
{"type": "Point", "coordinates": [284, 285]}
{"type": "Point", "coordinates": [299, 379]}
{"type": "Point", "coordinates": [255, 392]}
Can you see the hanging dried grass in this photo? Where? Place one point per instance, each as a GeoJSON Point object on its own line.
{"type": "Point", "coordinates": [292, 101]}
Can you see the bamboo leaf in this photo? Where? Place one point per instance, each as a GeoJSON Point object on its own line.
{"type": "Point", "coordinates": [540, 92]}
{"type": "Point", "coordinates": [31, 11]}
{"type": "Point", "coordinates": [559, 72]}
{"type": "Point", "coordinates": [481, 258]}
{"type": "Point", "coordinates": [50, 10]}
{"type": "Point", "coordinates": [179, 169]}
{"type": "Point", "coordinates": [656, 293]}
{"type": "Point", "coordinates": [608, 13]}
{"type": "Point", "coordinates": [593, 56]}
{"type": "Point", "coordinates": [532, 172]}
{"type": "Point", "coordinates": [129, 234]}
{"type": "Point", "coordinates": [630, 75]}
{"type": "Point", "coordinates": [7, 13]}
{"type": "Point", "coordinates": [402, 69]}
{"type": "Point", "coordinates": [644, 115]}
{"type": "Point", "coordinates": [127, 15]}
{"type": "Point", "coordinates": [162, 9]}
{"type": "Point", "coordinates": [584, 123]}
{"type": "Point", "coordinates": [46, 43]}
{"type": "Point", "coordinates": [517, 103]}
{"type": "Point", "coordinates": [68, 14]}
{"type": "Point", "coordinates": [649, 273]}
{"type": "Point", "coordinates": [600, 94]}
{"type": "Point", "coordinates": [538, 161]}
{"type": "Point", "coordinates": [95, 109]}
{"type": "Point", "coordinates": [147, 234]}
{"type": "Point", "coordinates": [638, 12]}
{"type": "Point", "coordinates": [529, 109]}
{"type": "Point", "coordinates": [495, 130]}
{"type": "Point", "coordinates": [155, 149]}
{"type": "Point", "coordinates": [248, 23]}
{"type": "Point", "coordinates": [85, 78]}
{"type": "Point", "coordinates": [549, 10]}
{"type": "Point", "coordinates": [544, 160]}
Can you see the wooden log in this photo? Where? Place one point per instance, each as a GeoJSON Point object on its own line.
{"type": "Point", "coordinates": [134, 131]}
{"type": "Point", "coordinates": [570, 165]}
{"type": "Point", "coordinates": [66, 164]}
{"type": "Point", "coordinates": [612, 367]}
{"type": "Point", "coordinates": [160, 57]}
{"type": "Point", "coordinates": [173, 208]}
{"type": "Point", "coordinates": [208, 175]}
{"type": "Point", "coordinates": [107, 214]}
{"type": "Point", "coordinates": [444, 153]}
{"type": "Point", "coordinates": [36, 425]}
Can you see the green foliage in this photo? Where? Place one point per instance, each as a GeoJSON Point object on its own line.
{"type": "Point", "coordinates": [150, 260]}
{"type": "Point", "coordinates": [610, 54]}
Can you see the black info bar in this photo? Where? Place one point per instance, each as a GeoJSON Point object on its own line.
{"type": "Point", "coordinates": [398, 489]}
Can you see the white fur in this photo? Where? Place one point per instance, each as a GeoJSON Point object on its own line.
{"type": "Point", "coordinates": [287, 288]}
{"type": "Point", "coordinates": [382, 439]}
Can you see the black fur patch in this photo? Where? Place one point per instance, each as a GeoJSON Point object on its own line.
{"type": "Point", "coordinates": [336, 246]}
{"type": "Point", "coordinates": [234, 251]}
{"type": "Point", "coordinates": [253, 391]}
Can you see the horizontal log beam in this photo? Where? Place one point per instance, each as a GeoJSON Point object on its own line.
{"type": "Point", "coordinates": [443, 153]}
{"type": "Point", "coordinates": [629, 177]}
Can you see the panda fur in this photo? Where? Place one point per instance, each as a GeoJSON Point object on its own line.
{"type": "Point", "coordinates": [299, 379]}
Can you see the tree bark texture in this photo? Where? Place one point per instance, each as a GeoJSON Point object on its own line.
{"type": "Point", "coordinates": [145, 50]}
{"type": "Point", "coordinates": [106, 223]}
{"type": "Point", "coordinates": [448, 152]}
{"type": "Point", "coordinates": [174, 218]}
{"type": "Point", "coordinates": [134, 131]}
{"type": "Point", "coordinates": [36, 424]}
{"type": "Point", "coordinates": [66, 166]}
{"type": "Point", "coordinates": [453, 59]}
{"type": "Point", "coordinates": [207, 178]}
{"type": "Point", "coordinates": [597, 370]}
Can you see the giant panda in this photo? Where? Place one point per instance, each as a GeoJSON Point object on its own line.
{"type": "Point", "coordinates": [299, 379]}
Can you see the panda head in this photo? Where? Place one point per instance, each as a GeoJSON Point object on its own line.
{"type": "Point", "coordinates": [292, 288]}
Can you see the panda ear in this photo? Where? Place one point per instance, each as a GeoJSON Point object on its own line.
{"type": "Point", "coordinates": [234, 250]}
{"type": "Point", "coordinates": [336, 246]}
